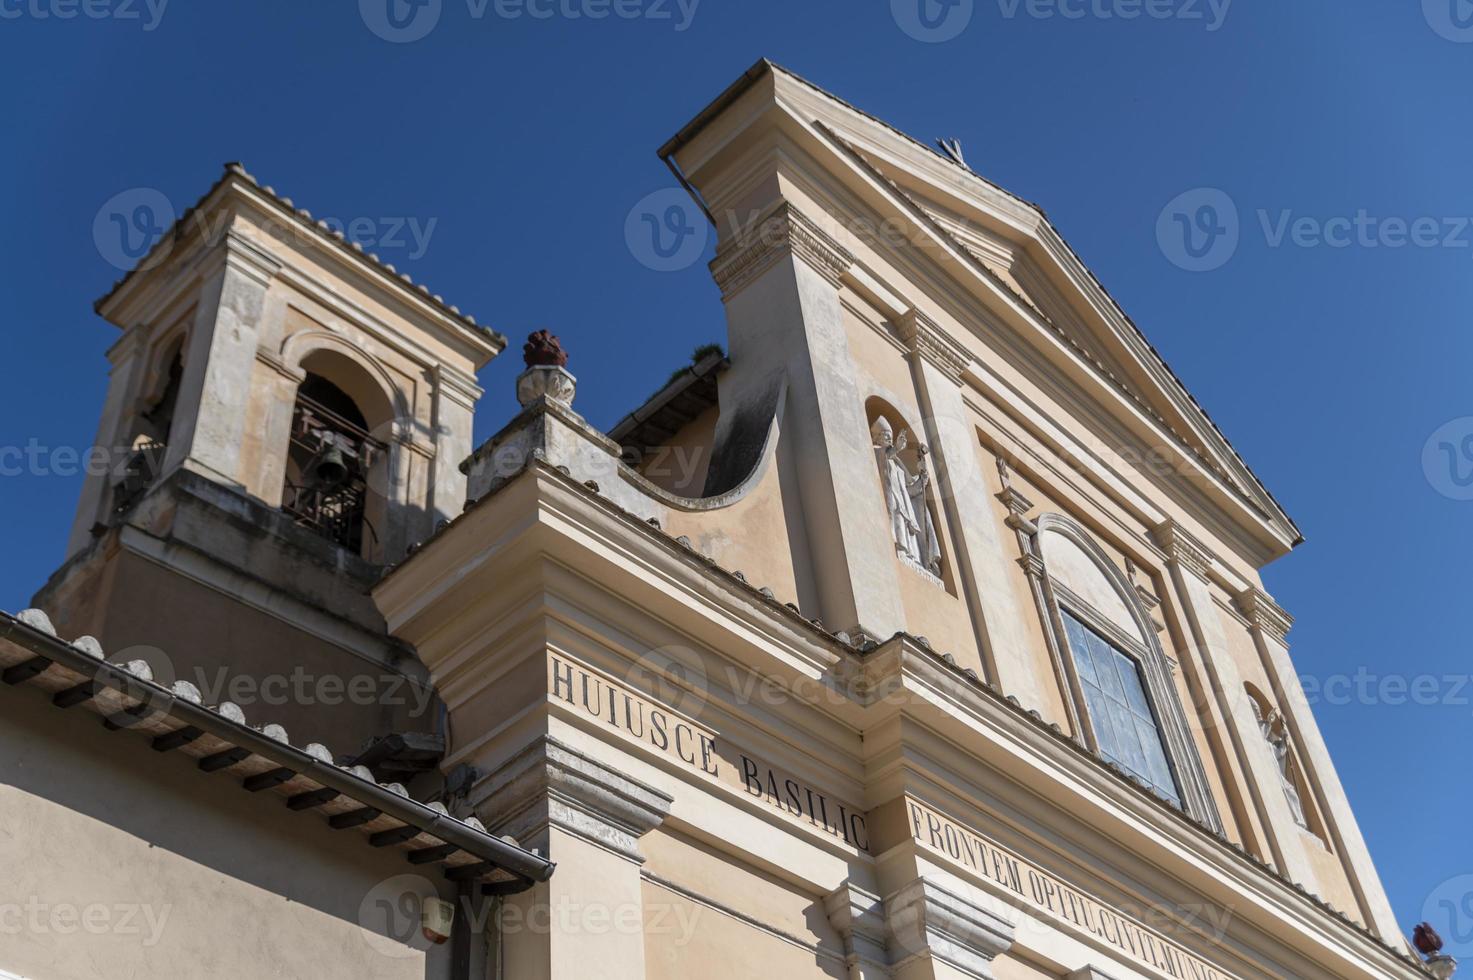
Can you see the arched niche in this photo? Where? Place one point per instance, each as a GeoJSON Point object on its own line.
{"type": "Point", "coordinates": [1275, 731]}
{"type": "Point", "coordinates": [913, 458]}
{"type": "Point", "coordinates": [1090, 602]}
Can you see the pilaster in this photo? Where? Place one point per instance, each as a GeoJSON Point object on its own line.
{"type": "Point", "coordinates": [1190, 564]}
{"type": "Point", "coordinates": [588, 818]}
{"type": "Point", "coordinates": [220, 360]}
{"type": "Point", "coordinates": [858, 917]}
{"type": "Point", "coordinates": [454, 415]}
{"type": "Point", "coordinates": [1270, 625]}
{"type": "Point", "coordinates": [937, 363]}
{"type": "Point", "coordinates": [780, 279]}
{"type": "Point", "coordinates": [127, 357]}
{"type": "Point", "coordinates": [551, 786]}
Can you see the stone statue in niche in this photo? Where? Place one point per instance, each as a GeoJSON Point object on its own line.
{"type": "Point", "coordinates": [926, 536]}
{"type": "Point", "coordinates": [1273, 731]}
{"type": "Point", "coordinates": [905, 498]}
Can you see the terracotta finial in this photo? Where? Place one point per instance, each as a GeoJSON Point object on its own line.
{"type": "Point", "coordinates": [1426, 939]}
{"type": "Point", "coordinates": [542, 349]}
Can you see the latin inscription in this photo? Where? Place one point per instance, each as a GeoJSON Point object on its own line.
{"type": "Point", "coordinates": [673, 735]}
{"type": "Point", "coordinates": [1041, 889]}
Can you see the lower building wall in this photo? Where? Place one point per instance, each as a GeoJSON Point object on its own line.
{"type": "Point", "coordinates": [123, 862]}
{"type": "Point", "coordinates": [705, 910]}
{"type": "Point", "coordinates": [685, 938]}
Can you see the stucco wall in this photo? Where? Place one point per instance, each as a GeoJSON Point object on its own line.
{"type": "Point", "coordinates": [120, 861]}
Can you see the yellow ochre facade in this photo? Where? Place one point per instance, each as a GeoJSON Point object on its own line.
{"type": "Point", "coordinates": [920, 634]}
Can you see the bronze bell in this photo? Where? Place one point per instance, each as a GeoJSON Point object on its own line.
{"type": "Point", "coordinates": [331, 468]}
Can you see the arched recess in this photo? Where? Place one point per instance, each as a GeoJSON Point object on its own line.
{"type": "Point", "coordinates": [913, 459]}
{"type": "Point", "coordinates": [145, 436]}
{"type": "Point", "coordinates": [356, 371]}
{"type": "Point", "coordinates": [1095, 618]}
{"type": "Point", "coordinates": [1290, 771]}
{"type": "Point", "coordinates": [345, 418]}
{"type": "Point", "coordinates": [160, 391]}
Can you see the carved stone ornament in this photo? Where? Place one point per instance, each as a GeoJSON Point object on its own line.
{"type": "Point", "coordinates": [546, 381]}
{"type": "Point", "coordinates": [783, 230]}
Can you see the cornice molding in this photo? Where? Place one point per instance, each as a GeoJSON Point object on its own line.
{"type": "Point", "coordinates": [858, 917]}
{"type": "Point", "coordinates": [925, 339]}
{"type": "Point", "coordinates": [927, 921]}
{"type": "Point", "coordinates": [249, 258]}
{"type": "Point", "coordinates": [1263, 613]}
{"type": "Point", "coordinates": [902, 678]}
{"type": "Point", "coordinates": [551, 784]}
{"type": "Point", "coordinates": [782, 231]}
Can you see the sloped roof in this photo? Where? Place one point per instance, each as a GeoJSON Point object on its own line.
{"type": "Point", "coordinates": [262, 760]}
{"type": "Point", "coordinates": [319, 231]}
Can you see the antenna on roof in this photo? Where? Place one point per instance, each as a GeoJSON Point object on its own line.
{"type": "Point", "coordinates": [953, 149]}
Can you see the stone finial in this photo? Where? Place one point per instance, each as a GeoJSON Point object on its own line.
{"type": "Point", "coordinates": [543, 349]}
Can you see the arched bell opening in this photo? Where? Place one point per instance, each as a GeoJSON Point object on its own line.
{"type": "Point", "coordinates": [338, 461]}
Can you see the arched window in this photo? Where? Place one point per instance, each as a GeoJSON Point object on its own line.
{"type": "Point", "coordinates": [1117, 681]}
{"type": "Point", "coordinates": [1121, 716]}
{"type": "Point", "coordinates": [330, 462]}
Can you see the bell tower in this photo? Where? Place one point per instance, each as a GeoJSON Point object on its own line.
{"type": "Point", "coordinates": [285, 416]}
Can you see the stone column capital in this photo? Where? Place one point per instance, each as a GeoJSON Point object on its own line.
{"type": "Point", "coordinates": [551, 784]}
{"type": "Point", "coordinates": [1264, 613]}
{"type": "Point", "coordinates": [1182, 548]}
{"type": "Point", "coordinates": [927, 921]}
{"type": "Point", "coordinates": [781, 231]}
{"type": "Point", "coordinates": [928, 341]}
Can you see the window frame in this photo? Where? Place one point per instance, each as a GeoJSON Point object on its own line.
{"type": "Point", "coordinates": [1193, 789]}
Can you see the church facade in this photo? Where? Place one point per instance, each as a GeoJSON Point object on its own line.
{"type": "Point", "coordinates": [920, 634]}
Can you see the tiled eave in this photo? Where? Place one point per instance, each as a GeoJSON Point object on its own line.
{"type": "Point", "coordinates": [74, 676]}
{"type": "Point", "coordinates": [673, 407]}
{"type": "Point", "coordinates": [385, 274]}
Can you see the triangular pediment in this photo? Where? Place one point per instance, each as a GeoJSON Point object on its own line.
{"type": "Point", "coordinates": [1008, 246]}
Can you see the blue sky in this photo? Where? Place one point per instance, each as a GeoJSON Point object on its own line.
{"type": "Point", "coordinates": [1330, 340]}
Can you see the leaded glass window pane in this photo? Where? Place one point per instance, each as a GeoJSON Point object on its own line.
{"type": "Point", "coordinates": [1120, 712]}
